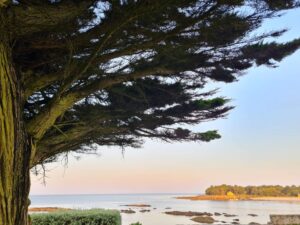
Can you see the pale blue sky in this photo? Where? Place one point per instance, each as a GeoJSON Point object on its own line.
{"type": "Point", "coordinates": [259, 145]}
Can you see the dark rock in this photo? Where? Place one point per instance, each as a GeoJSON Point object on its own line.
{"type": "Point", "coordinates": [203, 219]}
{"type": "Point", "coordinates": [137, 205]}
{"type": "Point", "coordinates": [128, 211]}
{"type": "Point", "coordinates": [188, 213]}
{"type": "Point", "coordinates": [229, 215]}
{"type": "Point", "coordinates": [144, 210]}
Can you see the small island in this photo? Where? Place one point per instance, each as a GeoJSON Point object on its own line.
{"type": "Point", "coordinates": [259, 193]}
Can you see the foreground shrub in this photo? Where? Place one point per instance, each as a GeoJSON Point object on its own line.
{"type": "Point", "coordinates": [78, 217]}
{"type": "Point", "coordinates": [136, 223]}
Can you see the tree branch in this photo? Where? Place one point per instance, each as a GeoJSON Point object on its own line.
{"type": "Point", "coordinates": [47, 117]}
{"type": "Point", "coordinates": [34, 83]}
{"type": "Point", "coordinates": [77, 136]}
{"type": "Point", "coordinates": [4, 3]}
{"type": "Point", "coordinates": [31, 18]}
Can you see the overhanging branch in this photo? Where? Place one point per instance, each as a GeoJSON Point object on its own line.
{"type": "Point", "coordinates": [47, 117]}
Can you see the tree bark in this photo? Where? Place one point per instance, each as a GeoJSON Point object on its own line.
{"type": "Point", "coordinates": [15, 146]}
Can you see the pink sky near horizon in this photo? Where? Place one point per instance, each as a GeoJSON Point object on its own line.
{"type": "Point", "coordinates": [153, 169]}
{"type": "Point", "coordinates": [259, 144]}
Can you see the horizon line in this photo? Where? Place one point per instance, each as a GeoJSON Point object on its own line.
{"type": "Point", "coordinates": [138, 193]}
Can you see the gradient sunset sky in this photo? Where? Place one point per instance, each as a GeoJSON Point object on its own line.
{"type": "Point", "coordinates": [260, 142]}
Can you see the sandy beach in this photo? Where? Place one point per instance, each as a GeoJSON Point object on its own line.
{"type": "Point", "coordinates": [47, 209]}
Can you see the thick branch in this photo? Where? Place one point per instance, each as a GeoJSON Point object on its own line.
{"type": "Point", "coordinates": [4, 3]}
{"type": "Point", "coordinates": [35, 83]}
{"type": "Point", "coordinates": [53, 145]}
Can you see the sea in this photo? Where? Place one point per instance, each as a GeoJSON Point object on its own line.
{"type": "Point", "coordinates": [160, 203]}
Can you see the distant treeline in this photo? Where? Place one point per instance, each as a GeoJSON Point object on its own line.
{"type": "Point", "coordinates": [265, 190]}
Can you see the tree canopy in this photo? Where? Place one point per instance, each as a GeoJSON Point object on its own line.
{"type": "Point", "coordinates": [116, 72]}
{"type": "Point", "coordinates": [77, 74]}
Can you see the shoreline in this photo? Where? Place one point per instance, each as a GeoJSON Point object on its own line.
{"type": "Point", "coordinates": [237, 198]}
{"type": "Point", "coordinates": [47, 209]}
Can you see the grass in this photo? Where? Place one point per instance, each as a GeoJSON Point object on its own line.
{"type": "Point", "coordinates": [78, 217]}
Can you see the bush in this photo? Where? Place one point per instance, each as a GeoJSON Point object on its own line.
{"type": "Point", "coordinates": [78, 217]}
{"type": "Point", "coordinates": [136, 223]}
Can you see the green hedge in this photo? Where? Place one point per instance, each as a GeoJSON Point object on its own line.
{"type": "Point", "coordinates": [78, 217]}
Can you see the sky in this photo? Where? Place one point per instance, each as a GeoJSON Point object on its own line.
{"type": "Point", "coordinates": [259, 144]}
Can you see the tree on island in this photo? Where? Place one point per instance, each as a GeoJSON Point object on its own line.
{"type": "Point", "coordinates": [75, 74]}
{"type": "Point", "coordinates": [263, 190]}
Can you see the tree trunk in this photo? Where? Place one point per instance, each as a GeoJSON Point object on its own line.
{"type": "Point", "coordinates": [15, 147]}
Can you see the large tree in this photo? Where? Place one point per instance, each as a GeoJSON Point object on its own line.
{"type": "Point", "coordinates": [75, 74]}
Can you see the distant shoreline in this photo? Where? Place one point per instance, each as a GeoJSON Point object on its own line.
{"type": "Point", "coordinates": [237, 198]}
{"type": "Point", "coordinates": [47, 209]}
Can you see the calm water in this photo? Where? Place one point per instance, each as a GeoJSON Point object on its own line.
{"type": "Point", "coordinates": [161, 201]}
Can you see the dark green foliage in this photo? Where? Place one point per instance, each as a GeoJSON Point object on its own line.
{"type": "Point", "coordinates": [265, 190]}
{"type": "Point", "coordinates": [280, 4]}
{"type": "Point", "coordinates": [116, 72]}
{"type": "Point", "coordinates": [136, 223]}
{"type": "Point", "coordinates": [78, 217]}
{"type": "Point", "coordinates": [272, 51]}
{"type": "Point", "coordinates": [211, 103]}
{"type": "Point", "coordinates": [210, 135]}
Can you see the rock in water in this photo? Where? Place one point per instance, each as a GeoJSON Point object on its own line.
{"type": "Point", "coordinates": [229, 215]}
{"type": "Point", "coordinates": [144, 210]}
{"type": "Point", "coordinates": [138, 205]}
{"type": "Point", "coordinates": [203, 219]}
{"type": "Point", "coordinates": [188, 213]}
{"type": "Point", "coordinates": [128, 211]}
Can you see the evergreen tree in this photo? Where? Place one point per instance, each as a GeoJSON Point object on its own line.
{"type": "Point", "coordinates": [78, 73]}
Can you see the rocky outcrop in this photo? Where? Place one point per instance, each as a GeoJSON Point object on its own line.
{"type": "Point", "coordinates": [203, 219]}
{"type": "Point", "coordinates": [127, 211]}
{"type": "Point", "coordinates": [285, 219]}
{"type": "Point", "coordinates": [229, 215]}
{"type": "Point", "coordinates": [138, 205]}
{"type": "Point", "coordinates": [145, 210]}
{"type": "Point", "coordinates": [188, 213]}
